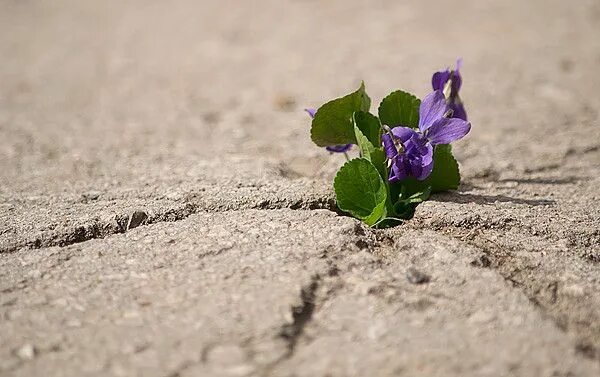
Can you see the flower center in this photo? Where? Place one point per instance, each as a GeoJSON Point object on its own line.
{"type": "Point", "coordinates": [397, 143]}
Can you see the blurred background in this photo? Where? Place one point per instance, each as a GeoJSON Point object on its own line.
{"type": "Point", "coordinates": [96, 89]}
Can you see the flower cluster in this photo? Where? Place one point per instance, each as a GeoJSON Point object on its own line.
{"type": "Point", "coordinates": [404, 151]}
{"type": "Point", "coordinates": [410, 152]}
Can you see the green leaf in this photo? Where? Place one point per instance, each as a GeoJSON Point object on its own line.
{"type": "Point", "coordinates": [388, 222]}
{"type": "Point", "coordinates": [369, 126]}
{"type": "Point", "coordinates": [360, 191]}
{"type": "Point", "coordinates": [445, 175]}
{"type": "Point", "coordinates": [418, 197]}
{"type": "Point", "coordinates": [400, 109]}
{"type": "Point", "coordinates": [404, 208]}
{"type": "Point", "coordinates": [332, 124]}
{"type": "Point", "coordinates": [363, 143]}
{"type": "Point", "coordinates": [370, 146]}
{"type": "Point", "coordinates": [378, 212]}
{"type": "Point", "coordinates": [375, 155]}
{"type": "Point", "coordinates": [378, 159]}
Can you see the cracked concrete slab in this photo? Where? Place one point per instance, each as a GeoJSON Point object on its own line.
{"type": "Point", "coordinates": [162, 209]}
{"type": "Point", "coordinates": [372, 307]}
{"type": "Point", "coordinates": [266, 293]}
{"type": "Point", "coordinates": [82, 215]}
{"type": "Point", "coordinates": [548, 248]}
{"type": "Point", "coordinates": [225, 280]}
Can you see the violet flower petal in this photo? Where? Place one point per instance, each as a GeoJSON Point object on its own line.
{"type": "Point", "coordinates": [415, 167]}
{"type": "Point", "coordinates": [420, 157]}
{"type": "Point", "coordinates": [439, 79]}
{"type": "Point", "coordinates": [426, 152]}
{"type": "Point", "coordinates": [426, 170]}
{"type": "Point", "coordinates": [417, 146]}
{"type": "Point", "coordinates": [456, 78]}
{"type": "Point", "coordinates": [404, 133]}
{"type": "Point", "coordinates": [458, 110]}
{"type": "Point", "coordinates": [388, 146]}
{"type": "Point", "coordinates": [447, 130]}
{"type": "Point", "coordinates": [311, 112]}
{"type": "Point", "coordinates": [339, 148]}
{"type": "Point", "coordinates": [456, 83]}
{"type": "Point", "coordinates": [433, 107]}
{"type": "Point", "coordinates": [419, 170]}
{"type": "Point", "coordinates": [398, 170]}
{"type": "Point", "coordinates": [426, 162]}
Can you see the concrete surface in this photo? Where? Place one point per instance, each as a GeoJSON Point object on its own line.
{"type": "Point", "coordinates": [164, 213]}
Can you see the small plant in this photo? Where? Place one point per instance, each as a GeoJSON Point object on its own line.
{"type": "Point", "coordinates": [405, 152]}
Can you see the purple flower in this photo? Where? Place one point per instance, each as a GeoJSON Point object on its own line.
{"type": "Point", "coordinates": [407, 153]}
{"type": "Point", "coordinates": [342, 148]}
{"type": "Point", "coordinates": [410, 153]}
{"type": "Point", "coordinates": [449, 82]}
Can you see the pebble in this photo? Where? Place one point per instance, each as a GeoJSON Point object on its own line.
{"type": "Point", "coordinates": [174, 195]}
{"type": "Point", "coordinates": [26, 352]}
{"type": "Point", "coordinates": [91, 195]}
{"type": "Point", "coordinates": [136, 219]}
{"type": "Point", "coordinates": [415, 276]}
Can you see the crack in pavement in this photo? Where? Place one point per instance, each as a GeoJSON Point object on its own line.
{"type": "Point", "coordinates": [120, 223]}
{"type": "Point", "coordinates": [294, 336]}
{"type": "Point", "coordinates": [301, 314]}
{"type": "Point", "coordinates": [542, 292]}
{"type": "Point", "coordinates": [534, 281]}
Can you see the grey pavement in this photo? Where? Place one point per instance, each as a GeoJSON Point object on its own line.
{"type": "Point", "coordinates": [163, 211]}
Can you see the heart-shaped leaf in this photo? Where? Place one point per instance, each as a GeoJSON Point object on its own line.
{"type": "Point", "coordinates": [360, 191]}
{"type": "Point", "coordinates": [400, 108]}
{"type": "Point", "coordinates": [332, 124]}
